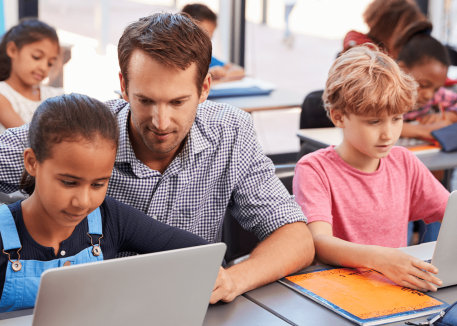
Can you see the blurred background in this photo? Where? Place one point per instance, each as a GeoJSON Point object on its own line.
{"type": "Point", "coordinates": [250, 33]}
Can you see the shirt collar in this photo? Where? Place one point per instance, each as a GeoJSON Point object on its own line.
{"type": "Point", "coordinates": [125, 153]}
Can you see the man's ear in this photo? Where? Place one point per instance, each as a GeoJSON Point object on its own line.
{"type": "Point", "coordinates": [30, 161]}
{"type": "Point", "coordinates": [11, 49]}
{"type": "Point", "coordinates": [205, 89]}
{"type": "Point", "coordinates": [123, 87]}
{"type": "Point", "coordinates": [337, 117]}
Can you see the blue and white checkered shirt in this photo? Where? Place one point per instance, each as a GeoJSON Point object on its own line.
{"type": "Point", "coordinates": [221, 165]}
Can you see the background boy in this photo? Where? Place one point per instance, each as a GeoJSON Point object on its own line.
{"type": "Point", "coordinates": [207, 19]}
{"type": "Point", "coordinates": [360, 195]}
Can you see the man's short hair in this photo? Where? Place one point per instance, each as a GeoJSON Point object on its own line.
{"type": "Point", "coordinates": [200, 12]}
{"type": "Point", "coordinates": [173, 40]}
{"type": "Point", "coordinates": [366, 82]}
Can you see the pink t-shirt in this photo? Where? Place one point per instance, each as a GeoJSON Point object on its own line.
{"type": "Point", "coordinates": [368, 208]}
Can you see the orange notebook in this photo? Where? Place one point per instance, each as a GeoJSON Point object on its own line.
{"type": "Point", "coordinates": [365, 297]}
{"type": "Point", "coordinates": [419, 146]}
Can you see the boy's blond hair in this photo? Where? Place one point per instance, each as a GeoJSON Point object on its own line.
{"type": "Point", "coordinates": [366, 82]}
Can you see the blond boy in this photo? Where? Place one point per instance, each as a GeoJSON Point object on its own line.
{"type": "Point", "coordinates": [360, 195]}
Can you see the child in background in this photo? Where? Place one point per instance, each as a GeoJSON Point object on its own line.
{"type": "Point", "coordinates": [360, 195]}
{"type": "Point", "coordinates": [207, 19]}
{"type": "Point", "coordinates": [67, 219]}
{"type": "Point", "coordinates": [27, 53]}
{"type": "Point", "coordinates": [426, 59]}
{"type": "Point", "coordinates": [389, 21]}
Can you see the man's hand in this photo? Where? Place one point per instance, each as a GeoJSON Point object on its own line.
{"type": "Point", "coordinates": [224, 289]}
{"type": "Point", "coordinates": [406, 270]}
{"type": "Point", "coordinates": [287, 250]}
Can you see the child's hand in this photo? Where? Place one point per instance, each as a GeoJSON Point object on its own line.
{"type": "Point", "coordinates": [437, 118]}
{"type": "Point", "coordinates": [217, 72]}
{"type": "Point", "coordinates": [406, 270]}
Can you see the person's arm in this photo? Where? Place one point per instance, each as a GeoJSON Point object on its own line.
{"type": "Point", "coordinates": [422, 130]}
{"type": "Point", "coordinates": [13, 142]}
{"type": "Point", "coordinates": [138, 232]}
{"type": "Point", "coordinates": [8, 117]}
{"type": "Point", "coordinates": [261, 204]}
{"type": "Point", "coordinates": [397, 266]}
{"type": "Point", "coordinates": [285, 251]}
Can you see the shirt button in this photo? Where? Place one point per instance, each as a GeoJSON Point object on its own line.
{"type": "Point", "coordinates": [62, 253]}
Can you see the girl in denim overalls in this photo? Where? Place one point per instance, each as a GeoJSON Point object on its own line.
{"type": "Point", "coordinates": [67, 220]}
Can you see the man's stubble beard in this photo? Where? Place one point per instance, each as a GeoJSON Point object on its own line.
{"type": "Point", "coordinates": [151, 147]}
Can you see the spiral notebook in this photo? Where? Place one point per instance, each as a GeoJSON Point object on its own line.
{"type": "Point", "coordinates": [365, 297]}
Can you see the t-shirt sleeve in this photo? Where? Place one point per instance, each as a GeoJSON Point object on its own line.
{"type": "Point", "coordinates": [312, 193]}
{"type": "Point", "coordinates": [428, 196]}
{"type": "Point", "coordinates": [137, 232]}
{"type": "Point", "coordinates": [13, 142]}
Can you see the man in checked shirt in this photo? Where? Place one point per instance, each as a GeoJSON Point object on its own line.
{"type": "Point", "coordinates": [183, 160]}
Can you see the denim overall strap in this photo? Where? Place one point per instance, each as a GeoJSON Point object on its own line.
{"type": "Point", "coordinates": [8, 229]}
{"type": "Point", "coordinates": [94, 220]}
{"type": "Point", "coordinates": [21, 287]}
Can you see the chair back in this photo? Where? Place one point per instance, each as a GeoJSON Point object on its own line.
{"type": "Point", "coordinates": [313, 114]}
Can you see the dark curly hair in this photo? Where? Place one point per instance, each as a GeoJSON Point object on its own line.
{"type": "Point", "coordinates": [29, 30]}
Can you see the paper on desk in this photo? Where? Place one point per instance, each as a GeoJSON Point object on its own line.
{"type": "Point", "coordinates": [246, 82]}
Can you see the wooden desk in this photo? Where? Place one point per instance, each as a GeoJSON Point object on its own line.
{"type": "Point", "coordinates": [278, 99]}
{"type": "Point", "coordinates": [324, 137]}
{"type": "Point", "coordinates": [299, 310]}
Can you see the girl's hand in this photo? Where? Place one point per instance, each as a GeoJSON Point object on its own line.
{"type": "Point", "coordinates": [406, 270]}
{"type": "Point", "coordinates": [437, 118]}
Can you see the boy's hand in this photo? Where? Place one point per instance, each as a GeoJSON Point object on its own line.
{"type": "Point", "coordinates": [406, 270]}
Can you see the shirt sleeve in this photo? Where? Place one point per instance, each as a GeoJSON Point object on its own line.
{"type": "Point", "coordinates": [312, 193]}
{"type": "Point", "coordinates": [137, 232]}
{"type": "Point", "coordinates": [259, 202]}
{"type": "Point", "coordinates": [215, 62]}
{"type": "Point", "coordinates": [428, 196]}
{"type": "Point", "coordinates": [447, 98]}
{"type": "Point", "coordinates": [13, 142]}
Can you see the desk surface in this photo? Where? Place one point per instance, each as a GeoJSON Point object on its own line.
{"type": "Point", "coordinates": [278, 99]}
{"type": "Point", "coordinates": [241, 311]}
{"type": "Point", "coordinates": [333, 136]}
{"type": "Point", "coordinates": [299, 310]}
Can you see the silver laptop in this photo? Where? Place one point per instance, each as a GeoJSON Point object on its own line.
{"type": "Point", "coordinates": [166, 288]}
{"type": "Point", "coordinates": [445, 254]}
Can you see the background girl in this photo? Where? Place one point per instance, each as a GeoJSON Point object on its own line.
{"type": "Point", "coordinates": [427, 60]}
{"type": "Point", "coordinates": [67, 219]}
{"type": "Point", "coordinates": [389, 22]}
{"type": "Point", "coordinates": [27, 53]}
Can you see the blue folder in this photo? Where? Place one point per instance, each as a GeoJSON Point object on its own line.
{"type": "Point", "coordinates": [447, 137]}
{"type": "Point", "coordinates": [232, 92]}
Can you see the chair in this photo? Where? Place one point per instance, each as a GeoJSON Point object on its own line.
{"type": "Point", "coordinates": [313, 115]}
{"type": "Point", "coordinates": [240, 242]}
